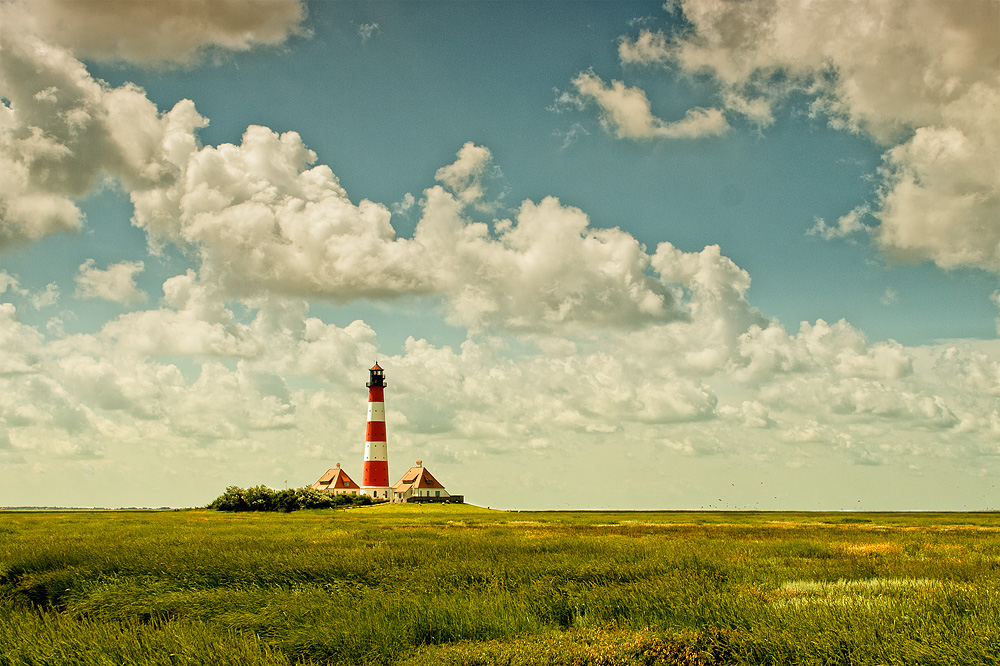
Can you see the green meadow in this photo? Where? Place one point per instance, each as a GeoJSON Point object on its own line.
{"type": "Point", "coordinates": [463, 585]}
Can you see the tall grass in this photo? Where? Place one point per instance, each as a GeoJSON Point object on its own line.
{"type": "Point", "coordinates": [461, 585]}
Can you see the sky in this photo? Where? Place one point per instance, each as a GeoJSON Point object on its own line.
{"type": "Point", "coordinates": [612, 255]}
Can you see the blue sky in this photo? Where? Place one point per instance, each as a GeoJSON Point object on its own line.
{"type": "Point", "coordinates": [716, 249]}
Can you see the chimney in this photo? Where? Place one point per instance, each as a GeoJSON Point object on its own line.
{"type": "Point", "coordinates": [420, 463]}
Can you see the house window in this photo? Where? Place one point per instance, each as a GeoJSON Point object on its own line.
{"type": "Point", "coordinates": [437, 493]}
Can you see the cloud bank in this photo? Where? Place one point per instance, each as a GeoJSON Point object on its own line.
{"type": "Point", "coordinates": [263, 218]}
{"type": "Point", "coordinates": [161, 33]}
{"type": "Point", "coordinates": [868, 67]}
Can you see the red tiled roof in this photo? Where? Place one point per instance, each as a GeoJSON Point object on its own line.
{"type": "Point", "coordinates": [417, 477]}
{"type": "Point", "coordinates": [335, 478]}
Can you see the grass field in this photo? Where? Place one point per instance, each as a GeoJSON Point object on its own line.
{"type": "Point", "coordinates": [464, 585]}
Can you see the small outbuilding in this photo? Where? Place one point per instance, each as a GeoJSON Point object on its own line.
{"type": "Point", "coordinates": [337, 482]}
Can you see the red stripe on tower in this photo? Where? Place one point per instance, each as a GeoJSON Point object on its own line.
{"type": "Point", "coordinates": [375, 476]}
{"type": "Point", "coordinates": [375, 431]}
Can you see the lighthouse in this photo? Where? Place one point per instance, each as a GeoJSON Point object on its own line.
{"type": "Point", "coordinates": [417, 485]}
{"type": "Point", "coordinates": [375, 475]}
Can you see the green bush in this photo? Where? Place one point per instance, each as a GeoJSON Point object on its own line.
{"type": "Point", "coordinates": [262, 498]}
{"type": "Point", "coordinates": [285, 501]}
{"type": "Point", "coordinates": [259, 498]}
{"type": "Point", "coordinates": [231, 500]}
{"type": "Point", "coordinates": [310, 498]}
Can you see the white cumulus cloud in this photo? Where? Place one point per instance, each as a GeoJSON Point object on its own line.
{"type": "Point", "coordinates": [649, 48]}
{"type": "Point", "coordinates": [845, 227]}
{"type": "Point", "coordinates": [839, 349]}
{"type": "Point", "coordinates": [626, 113]}
{"type": "Point", "coordinates": [464, 176]}
{"type": "Point", "coordinates": [116, 283]}
{"type": "Point", "coordinates": [61, 132]}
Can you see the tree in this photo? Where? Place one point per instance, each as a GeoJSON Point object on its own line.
{"type": "Point", "coordinates": [285, 501]}
{"type": "Point", "coordinates": [310, 498]}
{"type": "Point", "coordinates": [231, 500]}
{"type": "Point", "coordinates": [259, 498]}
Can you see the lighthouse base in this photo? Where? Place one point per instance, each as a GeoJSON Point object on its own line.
{"type": "Point", "coordinates": [377, 492]}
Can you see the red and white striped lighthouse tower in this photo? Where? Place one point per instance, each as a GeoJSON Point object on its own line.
{"type": "Point", "coordinates": [375, 476]}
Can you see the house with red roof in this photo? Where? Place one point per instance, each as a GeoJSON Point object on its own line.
{"type": "Point", "coordinates": [337, 482]}
{"type": "Point", "coordinates": [419, 485]}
